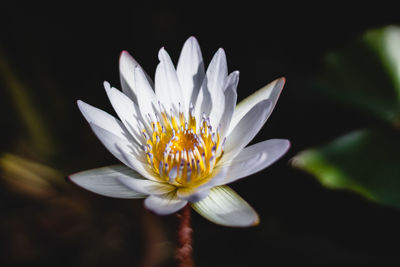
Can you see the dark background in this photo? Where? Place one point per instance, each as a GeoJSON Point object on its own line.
{"type": "Point", "coordinates": [64, 52]}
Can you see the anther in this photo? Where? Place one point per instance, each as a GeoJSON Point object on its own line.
{"type": "Point", "coordinates": [188, 173]}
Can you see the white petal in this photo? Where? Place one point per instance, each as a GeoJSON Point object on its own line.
{"type": "Point", "coordinates": [246, 129]}
{"type": "Point", "coordinates": [211, 99]}
{"type": "Point", "coordinates": [126, 109]}
{"type": "Point", "coordinates": [103, 120]}
{"type": "Point", "coordinates": [271, 91]}
{"type": "Point", "coordinates": [123, 151]}
{"type": "Point", "coordinates": [146, 98]}
{"type": "Point", "coordinates": [164, 204]}
{"type": "Point", "coordinates": [127, 66]}
{"type": "Point", "coordinates": [190, 70]}
{"type": "Point", "coordinates": [203, 103]}
{"type": "Point", "coordinates": [223, 206]}
{"type": "Point", "coordinates": [146, 187]}
{"type": "Point", "coordinates": [104, 181]}
{"type": "Point", "coordinates": [230, 101]}
{"type": "Point", "coordinates": [254, 158]}
{"type": "Point", "coordinates": [167, 87]}
{"type": "Point", "coordinates": [194, 194]}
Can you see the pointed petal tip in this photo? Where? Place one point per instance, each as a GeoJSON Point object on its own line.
{"type": "Point", "coordinates": [68, 179]}
{"type": "Point", "coordinates": [163, 54]}
{"type": "Point", "coordinates": [82, 106]}
{"type": "Point", "coordinates": [281, 81]}
{"type": "Point", "coordinates": [234, 75]}
{"type": "Point", "coordinates": [221, 51]}
{"type": "Point", "coordinates": [125, 59]}
{"type": "Point", "coordinates": [256, 221]}
{"type": "Point", "coordinates": [192, 38]}
{"type": "Point", "coordinates": [106, 85]}
{"type": "Point", "coordinates": [72, 178]}
{"type": "Point", "coordinates": [124, 53]}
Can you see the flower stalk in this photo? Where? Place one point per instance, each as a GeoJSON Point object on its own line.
{"type": "Point", "coordinates": [184, 250]}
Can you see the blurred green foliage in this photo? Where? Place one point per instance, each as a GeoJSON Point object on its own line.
{"type": "Point", "coordinates": [366, 76]}
{"type": "Point", "coordinates": [364, 161]}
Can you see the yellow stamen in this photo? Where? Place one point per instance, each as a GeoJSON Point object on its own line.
{"type": "Point", "coordinates": [180, 152]}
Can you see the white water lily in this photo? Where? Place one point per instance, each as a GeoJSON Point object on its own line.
{"type": "Point", "coordinates": [183, 138]}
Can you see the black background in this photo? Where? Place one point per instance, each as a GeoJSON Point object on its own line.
{"type": "Point", "coordinates": [72, 49]}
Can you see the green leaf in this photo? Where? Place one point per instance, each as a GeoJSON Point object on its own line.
{"type": "Point", "coordinates": [366, 74]}
{"type": "Point", "coordinates": [365, 161]}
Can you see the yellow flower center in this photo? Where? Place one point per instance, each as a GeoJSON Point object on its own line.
{"type": "Point", "coordinates": [180, 151]}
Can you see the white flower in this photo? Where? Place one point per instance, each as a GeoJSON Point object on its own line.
{"type": "Point", "coordinates": [183, 138]}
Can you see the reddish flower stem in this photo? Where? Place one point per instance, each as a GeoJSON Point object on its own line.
{"type": "Point", "coordinates": [184, 249]}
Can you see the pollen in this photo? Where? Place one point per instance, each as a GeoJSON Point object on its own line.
{"type": "Point", "coordinates": [180, 150]}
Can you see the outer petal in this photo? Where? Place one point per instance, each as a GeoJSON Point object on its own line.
{"type": "Point", "coordinates": [246, 129]}
{"type": "Point", "coordinates": [126, 109]}
{"type": "Point", "coordinates": [271, 91]}
{"type": "Point", "coordinates": [254, 158]}
{"type": "Point", "coordinates": [223, 206]}
{"type": "Point", "coordinates": [211, 99]}
{"type": "Point", "coordinates": [164, 204]}
{"type": "Point", "coordinates": [147, 187]}
{"type": "Point", "coordinates": [104, 181]}
{"type": "Point", "coordinates": [103, 120]}
{"type": "Point", "coordinates": [124, 151]}
{"type": "Point", "coordinates": [127, 66]}
{"type": "Point", "coordinates": [167, 87]}
{"type": "Point", "coordinates": [190, 70]}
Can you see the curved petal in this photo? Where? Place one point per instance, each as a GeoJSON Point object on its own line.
{"type": "Point", "coordinates": [271, 91]}
{"type": "Point", "coordinates": [211, 99]}
{"type": "Point", "coordinates": [147, 187]}
{"type": "Point", "coordinates": [127, 66]}
{"type": "Point", "coordinates": [167, 87]}
{"type": "Point", "coordinates": [126, 109]}
{"type": "Point", "coordinates": [104, 181]}
{"type": "Point", "coordinates": [254, 158]}
{"type": "Point", "coordinates": [246, 129]}
{"type": "Point", "coordinates": [147, 101]}
{"type": "Point", "coordinates": [223, 206]}
{"type": "Point", "coordinates": [123, 151]}
{"type": "Point", "coordinates": [230, 101]}
{"type": "Point", "coordinates": [190, 70]}
{"type": "Point", "coordinates": [103, 120]}
{"type": "Point", "coordinates": [164, 204]}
